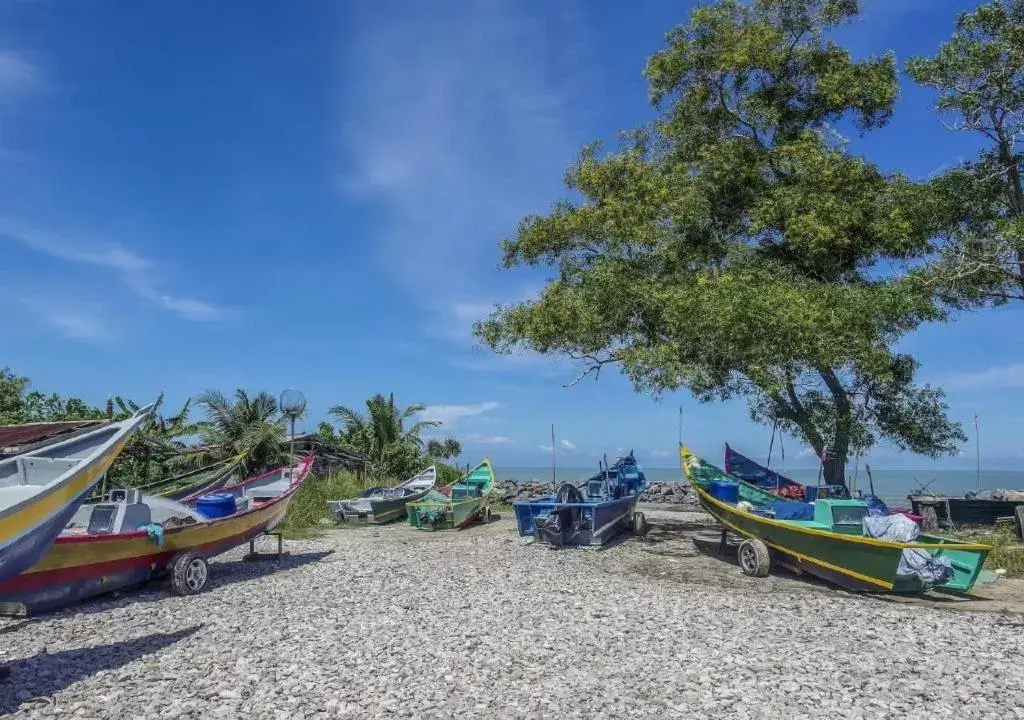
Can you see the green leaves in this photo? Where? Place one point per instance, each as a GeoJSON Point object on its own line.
{"type": "Point", "coordinates": [20, 405]}
{"type": "Point", "coordinates": [979, 77]}
{"type": "Point", "coordinates": [385, 434]}
{"type": "Point", "coordinates": [735, 247]}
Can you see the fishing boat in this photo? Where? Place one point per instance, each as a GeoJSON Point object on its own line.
{"type": "Point", "coordinates": [193, 483]}
{"type": "Point", "coordinates": [744, 468]}
{"type": "Point", "coordinates": [132, 538]}
{"type": "Point", "coordinates": [381, 504]}
{"type": "Point", "coordinates": [455, 506]}
{"type": "Point", "coordinates": [827, 539]}
{"type": "Point", "coordinates": [975, 508]}
{"type": "Point", "coordinates": [750, 471]}
{"type": "Point", "coordinates": [591, 513]}
{"type": "Point", "coordinates": [41, 490]}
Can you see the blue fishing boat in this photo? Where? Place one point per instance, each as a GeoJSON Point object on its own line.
{"type": "Point", "coordinates": [591, 513]}
{"type": "Point", "coordinates": [740, 466]}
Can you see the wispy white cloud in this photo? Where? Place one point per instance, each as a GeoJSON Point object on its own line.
{"type": "Point", "coordinates": [807, 452]}
{"type": "Point", "coordinates": [72, 318]}
{"type": "Point", "coordinates": [449, 113]}
{"type": "Point", "coordinates": [450, 415]}
{"type": "Point", "coordinates": [660, 453]}
{"type": "Point", "coordinates": [996, 377]}
{"type": "Point", "coordinates": [135, 272]}
{"type": "Point", "coordinates": [474, 439]}
{"type": "Point", "coordinates": [17, 74]}
{"type": "Point", "coordinates": [567, 445]}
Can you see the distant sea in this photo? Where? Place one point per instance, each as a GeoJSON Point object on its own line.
{"type": "Point", "coordinates": [891, 485]}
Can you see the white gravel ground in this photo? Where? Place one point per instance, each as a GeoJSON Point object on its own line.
{"type": "Point", "coordinates": [480, 624]}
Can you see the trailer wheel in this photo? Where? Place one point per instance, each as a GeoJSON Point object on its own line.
{"type": "Point", "coordinates": [639, 524]}
{"type": "Point", "coordinates": [189, 574]}
{"type": "Point", "coordinates": [754, 558]}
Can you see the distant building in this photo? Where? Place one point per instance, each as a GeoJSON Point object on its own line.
{"type": "Point", "coordinates": [329, 456]}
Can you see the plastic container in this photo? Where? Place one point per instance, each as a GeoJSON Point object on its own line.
{"type": "Point", "coordinates": [216, 505]}
{"type": "Point", "coordinates": [727, 492]}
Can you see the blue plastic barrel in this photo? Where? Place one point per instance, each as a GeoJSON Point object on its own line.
{"type": "Point", "coordinates": [216, 505]}
{"type": "Point", "coordinates": [726, 491]}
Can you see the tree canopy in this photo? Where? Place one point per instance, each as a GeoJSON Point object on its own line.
{"type": "Point", "coordinates": [392, 437]}
{"type": "Point", "coordinates": [979, 77]}
{"type": "Point", "coordinates": [19, 404]}
{"type": "Point", "coordinates": [736, 248]}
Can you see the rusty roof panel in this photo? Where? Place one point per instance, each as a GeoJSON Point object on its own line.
{"type": "Point", "coordinates": [16, 436]}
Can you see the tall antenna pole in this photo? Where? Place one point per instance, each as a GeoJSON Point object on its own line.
{"type": "Point", "coordinates": [680, 438]}
{"type": "Point", "coordinates": [977, 448]}
{"type": "Point", "coordinates": [553, 481]}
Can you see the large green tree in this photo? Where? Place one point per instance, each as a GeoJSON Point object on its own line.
{"type": "Point", "coordinates": [979, 77]}
{"type": "Point", "coordinates": [735, 247]}
{"type": "Point", "coordinates": [19, 404]}
{"type": "Point", "coordinates": [391, 437]}
{"type": "Point", "coordinates": [249, 426]}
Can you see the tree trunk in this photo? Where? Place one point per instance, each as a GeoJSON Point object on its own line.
{"type": "Point", "coordinates": [791, 408]}
{"type": "Point", "coordinates": [1016, 187]}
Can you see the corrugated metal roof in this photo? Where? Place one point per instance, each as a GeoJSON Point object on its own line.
{"type": "Point", "coordinates": [17, 436]}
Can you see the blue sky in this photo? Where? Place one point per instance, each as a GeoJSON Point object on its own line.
{"type": "Point", "coordinates": [310, 195]}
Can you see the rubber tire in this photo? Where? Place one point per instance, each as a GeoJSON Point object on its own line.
{"type": "Point", "coordinates": [754, 558]}
{"type": "Point", "coordinates": [486, 515]}
{"type": "Point", "coordinates": [639, 524]}
{"type": "Point", "coordinates": [180, 580]}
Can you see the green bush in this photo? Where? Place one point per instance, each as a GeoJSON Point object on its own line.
{"type": "Point", "coordinates": [1007, 553]}
{"type": "Point", "coordinates": [309, 508]}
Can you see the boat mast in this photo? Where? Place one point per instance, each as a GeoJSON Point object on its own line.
{"type": "Point", "coordinates": [977, 449]}
{"type": "Point", "coordinates": [553, 481]}
{"type": "Point", "coordinates": [771, 443]}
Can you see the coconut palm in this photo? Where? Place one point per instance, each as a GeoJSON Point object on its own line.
{"type": "Point", "coordinates": [386, 433]}
{"type": "Point", "coordinates": [248, 426]}
{"type": "Point", "coordinates": [155, 450]}
{"type": "Point", "coordinates": [445, 449]}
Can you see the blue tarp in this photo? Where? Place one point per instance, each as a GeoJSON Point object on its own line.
{"type": "Point", "coordinates": [793, 511]}
{"type": "Point", "coordinates": [876, 507]}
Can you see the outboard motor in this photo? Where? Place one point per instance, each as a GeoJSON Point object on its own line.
{"type": "Point", "coordinates": [563, 522]}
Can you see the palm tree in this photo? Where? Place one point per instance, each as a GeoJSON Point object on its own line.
{"type": "Point", "coordinates": [444, 449]}
{"type": "Point", "coordinates": [250, 427]}
{"type": "Point", "coordinates": [156, 449]}
{"type": "Point", "coordinates": [384, 434]}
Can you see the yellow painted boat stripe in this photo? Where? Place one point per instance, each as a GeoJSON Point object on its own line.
{"type": "Point", "coordinates": [807, 558]}
{"type": "Point", "coordinates": [811, 531]}
{"type": "Point", "coordinates": [53, 501]}
{"type": "Point", "coordinates": [68, 554]}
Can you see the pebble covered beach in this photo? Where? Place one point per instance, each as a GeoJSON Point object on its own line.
{"type": "Point", "coordinates": [391, 623]}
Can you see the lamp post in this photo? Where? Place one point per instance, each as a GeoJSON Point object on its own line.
{"type": "Point", "coordinates": [293, 404]}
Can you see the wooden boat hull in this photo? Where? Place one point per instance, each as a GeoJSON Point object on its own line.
{"type": "Point", "coordinates": [850, 561]}
{"type": "Point", "coordinates": [458, 512]}
{"type": "Point", "coordinates": [964, 511]}
{"type": "Point", "coordinates": [600, 521]}
{"type": "Point", "coordinates": [79, 567]}
{"type": "Point", "coordinates": [381, 510]}
{"type": "Point", "coordinates": [380, 505]}
{"type": "Point", "coordinates": [29, 528]}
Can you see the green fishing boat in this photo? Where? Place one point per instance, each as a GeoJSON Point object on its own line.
{"type": "Point", "coordinates": [830, 542]}
{"type": "Point", "coordinates": [455, 506]}
{"type": "Point", "coordinates": [193, 483]}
